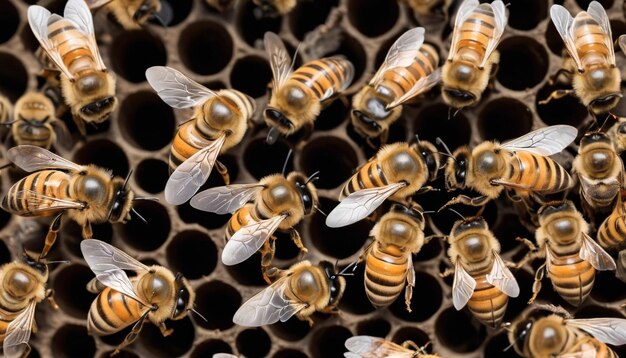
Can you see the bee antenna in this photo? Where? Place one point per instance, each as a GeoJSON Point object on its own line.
{"type": "Point", "coordinates": [159, 19]}
{"type": "Point", "coordinates": [429, 212]}
{"type": "Point", "coordinates": [130, 172]}
{"type": "Point", "coordinates": [519, 336]}
{"type": "Point", "coordinates": [46, 262]}
{"type": "Point", "coordinates": [458, 213]}
{"type": "Point", "coordinates": [448, 153]}
{"type": "Point", "coordinates": [287, 161]}
{"type": "Point", "coordinates": [198, 313]}
{"type": "Point", "coordinates": [311, 178]}
{"type": "Point", "coordinates": [417, 138]}
{"type": "Point", "coordinates": [345, 272]}
{"type": "Point", "coordinates": [320, 210]}
{"type": "Point", "coordinates": [139, 216]}
{"type": "Point", "coordinates": [146, 198]}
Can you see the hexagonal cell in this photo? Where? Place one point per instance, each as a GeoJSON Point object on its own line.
{"type": "Point", "coordinates": [373, 18]}
{"type": "Point", "coordinates": [210, 347]}
{"type": "Point", "coordinates": [210, 221]}
{"type": "Point", "coordinates": [13, 76]}
{"type": "Point", "coordinates": [554, 40]}
{"type": "Point", "coordinates": [333, 115]}
{"type": "Point", "coordinates": [103, 153]}
{"type": "Point", "coordinates": [261, 159]}
{"type": "Point", "coordinates": [458, 332]}
{"type": "Point", "coordinates": [519, 52]}
{"type": "Point", "coordinates": [508, 229]}
{"type": "Point", "coordinates": [414, 335]}
{"type": "Point", "coordinates": [151, 235]}
{"type": "Point", "coordinates": [198, 43]}
{"type": "Point", "coordinates": [251, 75]}
{"type": "Point", "coordinates": [289, 353]}
{"type": "Point", "coordinates": [251, 27]}
{"type": "Point", "coordinates": [293, 330]}
{"type": "Point", "coordinates": [423, 306]}
{"type": "Point", "coordinates": [133, 52]}
{"type": "Point", "coordinates": [9, 21]}
{"type": "Point", "coordinates": [432, 122]}
{"type": "Point", "coordinates": [329, 341]}
{"type": "Point", "coordinates": [504, 118]}
{"type": "Point", "coordinates": [253, 342]}
{"type": "Point", "coordinates": [174, 345]}
{"type": "Point", "coordinates": [354, 299]}
{"type": "Point", "coordinates": [5, 254]}
{"type": "Point", "coordinates": [353, 50]}
{"type": "Point", "coordinates": [218, 302]}
{"type": "Point", "coordinates": [334, 169]}
{"type": "Point", "coordinates": [72, 235]}
{"type": "Point", "coordinates": [192, 253]}
{"type": "Point", "coordinates": [151, 175]}
{"type": "Point", "coordinates": [604, 287]}
{"type": "Point", "coordinates": [248, 273]}
{"type": "Point", "coordinates": [72, 341]}
{"type": "Point", "coordinates": [70, 290]}
{"type": "Point", "coordinates": [496, 347]}
{"type": "Point", "coordinates": [377, 327]}
{"type": "Point", "coordinates": [180, 11]}
{"type": "Point", "coordinates": [526, 15]}
{"type": "Point", "coordinates": [566, 110]}
{"type": "Point", "coordinates": [146, 121]}
{"type": "Point", "coordinates": [306, 16]}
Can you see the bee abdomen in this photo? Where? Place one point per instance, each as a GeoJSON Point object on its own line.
{"type": "Point", "coordinates": [48, 182]}
{"type": "Point", "coordinates": [385, 274]}
{"type": "Point", "coordinates": [477, 29]}
{"type": "Point", "coordinates": [111, 312]}
{"type": "Point", "coordinates": [539, 173]}
{"type": "Point", "coordinates": [369, 176]}
{"type": "Point", "coordinates": [572, 278]}
{"type": "Point", "coordinates": [588, 37]}
{"type": "Point", "coordinates": [239, 219]}
{"type": "Point", "coordinates": [399, 80]}
{"type": "Point", "coordinates": [612, 231]}
{"type": "Point", "coordinates": [187, 142]}
{"type": "Point", "coordinates": [319, 76]}
{"type": "Point", "coordinates": [487, 304]}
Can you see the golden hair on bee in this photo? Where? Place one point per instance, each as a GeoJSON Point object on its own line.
{"type": "Point", "coordinates": [133, 14]}
{"type": "Point", "coordinates": [274, 8]}
{"type": "Point", "coordinates": [429, 8]}
{"type": "Point", "coordinates": [36, 122]}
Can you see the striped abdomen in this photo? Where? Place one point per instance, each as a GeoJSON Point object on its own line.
{"type": "Point", "coordinates": [590, 40]}
{"type": "Point", "coordinates": [112, 311]}
{"type": "Point", "coordinates": [474, 34]}
{"type": "Point", "coordinates": [399, 80]}
{"type": "Point", "coordinates": [7, 316]}
{"type": "Point", "coordinates": [612, 232]}
{"type": "Point", "coordinates": [538, 173]}
{"type": "Point", "coordinates": [72, 45]}
{"type": "Point", "coordinates": [320, 76]}
{"type": "Point", "coordinates": [38, 135]}
{"type": "Point", "coordinates": [487, 304]}
{"type": "Point", "coordinates": [369, 176]}
{"type": "Point", "coordinates": [583, 344]}
{"type": "Point", "coordinates": [571, 276]}
{"type": "Point", "coordinates": [239, 219]}
{"type": "Point", "coordinates": [385, 273]}
{"type": "Point", "coordinates": [52, 183]}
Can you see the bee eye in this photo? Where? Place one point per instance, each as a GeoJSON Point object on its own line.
{"type": "Point", "coordinates": [622, 128]}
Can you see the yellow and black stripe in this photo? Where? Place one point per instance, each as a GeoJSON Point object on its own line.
{"type": "Point", "coordinates": [571, 276]}
{"type": "Point", "coordinates": [487, 304]}
{"type": "Point", "coordinates": [399, 80]}
{"type": "Point", "coordinates": [612, 232]}
{"type": "Point", "coordinates": [385, 273]}
{"type": "Point", "coordinates": [476, 31]}
{"type": "Point", "coordinates": [53, 183]}
{"type": "Point", "coordinates": [318, 76]}
{"type": "Point", "coordinates": [239, 219]}
{"type": "Point", "coordinates": [369, 176]}
{"type": "Point", "coordinates": [589, 40]}
{"type": "Point", "coordinates": [72, 45]}
{"type": "Point", "coordinates": [112, 311]}
{"type": "Point", "coordinates": [538, 173]}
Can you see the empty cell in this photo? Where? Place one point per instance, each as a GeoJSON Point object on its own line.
{"type": "Point", "coordinates": [248, 273]}
{"type": "Point", "coordinates": [414, 335]}
{"type": "Point", "coordinates": [9, 21]}
{"type": "Point", "coordinates": [205, 47]}
{"type": "Point", "coordinates": [508, 229]}
{"type": "Point", "coordinates": [192, 253]}
{"type": "Point", "coordinates": [251, 75]}
{"type": "Point", "coordinates": [355, 299]}
{"type": "Point", "coordinates": [566, 110]}
{"type": "Point", "coordinates": [289, 353]}
{"type": "Point", "coordinates": [210, 347]}
{"type": "Point", "coordinates": [458, 332]}
{"type": "Point", "coordinates": [71, 341]}
{"type": "Point", "coordinates": [253, 342]}
{"type": "Point", "coordinates": [285, 248]}
{"type": "Point", "coordinates": [377, 327]}
{"type": "Point", "coordinates": [525, 14]}
{"type": "Point", "coordinates": [218, 302]}
{"type": "Point", "coordinates": [429, 251]}
{"type": "Point", "coordinates": [496, 347]}
{"type": "Point", "coordinates": [5, 254]}
{"type": "Point", "coordinates": [210, 221]}
{"type": "Point", "coordinates": [70, 290]}
{"type": "Point", "coordinates": [604, 287]}
{"type": "Point", "coordinates": [308, 15]}
{"type": "Point", "coordinates": [251, 26]}
{"type": "Point", "coordinates": [504, 118]}
{"type": "Point", "coordinates": [149, 235]}
{"type": "Point", "coordinates": [334, 169]}
{"type": "Point", "coordinates": [151, 175]}
{"type": "Point", "coordinates": [423, 306]}
{"type": "Point", "coordinates": [71, 234]}
{"type": "Point", "coordinates": [180, 11]}
{"type": "Point", "coordinates": [103, 153]}
{"type": "Point", "coordinates": [261, 159]}
{"type": "Point", "coordinates": [146, 121]}
{"type": "Point", "coordinates": [584, 4]}
{"type": "Point", "coordinates": [293, 330]}
{"type": "Point", "coordinates": [373, 18]}
{"type": "Point", "coordinates": [133, 52]}
{"type": "Point", "coordinates": [353, 50]}
{"type": "Point", "coordinates": [13, 77]}
{"type": "Point", "coordinates": [518, 304]}
{"type": "Point", "coordinates": [554, 40]}
{"type": "Point", "coordinates": [174, 345]}
{"type": "Point", "coordinates": [333, 115]}
{"type": "Point", "coordinates": [523, 63]}
{"type": "Point", "coordinates": [434, 121]}
{"type": "Point", "coordinates": [329, 341]}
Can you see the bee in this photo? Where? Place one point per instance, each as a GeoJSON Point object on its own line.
{"type": "Point", "coordinates": [572, 257]}
{"type": "Point", "coordinates": [617, 134]}
{"type": "Point", "coordinates": [388, 261]}
{"type": "Point", "coordinates": [277, 202]}
{"type": "Point", "coordinates": [36, 122]}
{"type": "Point", "coordinates": [612, 231]}
{"type": "Point", "coordinates": [155, 293]}
{"type": "Point", "coordinates": [397, 171]}
{"type": "Point", "coordinates": [274, 8]}
{"type": "Point", "coordinates": [132, 14]}
{"type": "Point", "coordinates": [482, 280]}
{"type": "Point", "coordinates": [521, 165]}
{"type": "Point", "coordinates": [219, 122]}
{"type": "Point", "coordinates": [473, 58]}
{"type": "Point", "coordinates": [87, 86]}
{"type": "Point", "coordinates": [590, 66]}
{"type": "Point", "coordinates": [84, 193]}
{"type": "Point", "coordinates": [556, 336]}
{"type": "Point", "coordinates": [374, 347]}
{"type": "Point", "coordinates": [301, 290]}
{"type": "Point", "coordinates": [297, 96]}
{"type": "Point", "coordinates": [409, 69]}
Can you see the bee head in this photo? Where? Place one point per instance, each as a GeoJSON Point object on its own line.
{"type": "Point", "coordinates": [185, 297]}
{"type": "Point", "coordinates": [306, 189]}
{"type": "Point", "coordinates": [122, 200]}
{"type": "Point", "coordinates": [336, 282]}
{"type": "Point", "coordinates": [429, 154]}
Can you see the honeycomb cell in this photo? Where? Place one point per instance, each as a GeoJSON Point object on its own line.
{"type": "Point", "coordinates": [289, 353]}
{"type": "Point", "coordinates": [261, 159]}
{"type": "Point", "coordinates": [355, 299]}
{"type": "Point", "coordinates": [285, 248]}
{"type": "Point", "coordinates": [504, 118]}
{"type": "Point", "coordinates": [151, 175]}
{"type": "Point", "coordinates": [72, 236]}
{"type": "Point", "coordinates": [253, 342]}
{"type": "Point", "coordinates": [149, 235]}
{"type": "Point", "coordinates": [525, 15]}
{"type": "Point", "coordinates": [329, 341]}
{"type": "Point", "coordinates": [434, 121]}
{"type": "Point", "coordinates": [293, 330]}
{"type": "Point", "coordinates": [9, 21]}
{"type": "Point", "coordinates": [518, 304]}
{"type": "Point", "coordinates": [554, 40]}
{"type": "Point", "coordinates": [520, 52]}
{"type": "Point", "coordinates": [604, 287]}
{"type": "Point", "coordinates": [180, 9]}
{"type": "Point", "coordinates": [333, 169]}
{"type": "Point", "coordinates": [617, 29]}
{"type": "Point", "coordinates": [377, 327]}
{"type": "Point", "coordinates": [508, 229]}
{"type": "Point", "coordinates": [218, 302]}
{"type": "Point", "coordinates": [103, 153]}
{"type": "Point", "coordinates": [333, 115]}
{"type": "Point", "coordinates": [429, 251]}
{"type": "Point", "coordinates": [71, 341]}
{"type": "Point", "coordinates": [413, 334]}
{"type": "Point", "coordinates": [248, 273]}
{"type": "Point", "coordinates": [352, 49]}
{"type": "Point", "coordinates": [251, 75]}
{"type": "Point", "coordinates": [308, 15]}
{"type": "Point", "coordinates": [373, 18]}
{"type": "Point", "coordinates": [458, 332]}
{"type": "Point", "coordinates": [146, 121]}
{"type": "Point", "coordinates": [192, 253]}
{"type": "Point", "coordinates": [210, 347]}
{"type": "Point", "coordinates": [4, 219]}
{"type": "Point", "coordinates": [5, 254]}
{"type": "Point", "coordinates": [174, 345]}
{"type": "Point", "coordinates": [251, 26]}
{"type": "Point", "coordinates": [198, 47]}
{"type": "Point", "coordinates": [133, 52]}
{"type": "Point", "coordinates": [13, 76]}
{"type": "Point", "coordinates": [70, 290]}
{"type": "Point", "coordinates": [496, 347]}
{"type": "Point", "coordinates": [423, 305]}
{"type": "Point", "coordinates": [566, 110]}
{"type": "Point", "coordinates": [191, 215]}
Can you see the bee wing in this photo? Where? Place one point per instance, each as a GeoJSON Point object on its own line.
{"type": "Point", "coordinates": [372, 347]}
{"type": "Point", "coordinates": [586, 350]}
{"type": "Point", "coordinates": [176, 89]}
{"type": "Point", "coordinates": [192, 173]}
{"type": "Point", "coordinates": [225, 199]}
{"type": "Point", "coordinates": [421, 86]}
{"type": "Point", "coordinates": [360, 204]}
{"type": "Point", "coordinates": [544, 141]}
{"type": "Point", "coordinates": [18, 333]}
{"type": "Point", "coordinates": [109, 263]}
{"type": "Point", "coordinates": [462, 287]}
{"type": "Point", "coordinates": [622, 43]}
{"type": "Point", "coordinates": [267, 307]}
{"type": "Point", "coordinates": [500, 17]}
{"type": "Point", "coordinates": [38, 18]}
{"type": "Point", "coordinates": [401, 53]}
{"type": "Point", "coordinates": [502, 278]}
{"type": "Point", "coordinates": [78, 13]}
{"type": "Point", "coordinates": [39, 203]}
{"type": "Point", "coordinates": [607, 330]}
{"type": "Point", "coordinates": [597, 12]}
{"type": "Point", "coordinates": [331, 91]}
{"type": "Point", "coordinates": [224, 355]}
{"type": "Point", "coordinates": [249, 239]}
{"type": "Point", "coordinates": [280, 62]}
{"type": "Point", "coordinates": [464, 11]}
{"type": "Point", "coordinates": [564, 22]}
{"type": "Point", "coordinates": [31, 158]}
{"type": "Point", "coordinates": [595, 255]}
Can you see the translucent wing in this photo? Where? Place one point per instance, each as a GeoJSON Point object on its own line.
{"type": "Point", "coordinates": [360, 204]}
{"type": "Point", "coordinates": [109, 263]}
{"type": "Point", "coordinates": [78, 13]}
{"type": "Point", "coordinates": [280, 62]}
{"type": "Point", "coordinates": [585, 350]}
{"type": "Point", "coordinates": [544, 141]}
{"type": "Point", "coordinates": [176, 89]}
{"type": "Point", "coordinates": [39, 203]}
{"type": "Point", "coordinates": [462, 287]}
{"type": "Point", "coordinates": [249, 239]}
{"type": "Point", "coordinates": [502, 278]}
{"type": "Point", "coordinates": [607, 330]}
{"type": "Point", "coordinates": [38, 18]}
{"type": "Point", "coordinates": [401, 53]}
{"type": "Point", "coordinates": [564, 22]}
{"type": "Point", "coordinates": [224, 355]}
{"type": "Point", "coordinates": [595, 255]}
{"type": "Point", "coordinates": [192, 173]}
{"type": "Point", "coordinates": [267, 307]}
{"type": "Point", "coordinates": [464, 11]}
{"type": "Point", "coordinates": [597, 12]}
{"type": "Point", "coordinates": [421, 86]}
{"type": "Point", "coordinates": [331, 91]}
{"type": "Point", "coordinates": [500, 18]}
{"type": "Point", "coordinates": [622, 43]}
{"type": "Point", "coordinates": [225, 199]}
{"type": "Point", "coordinates": [372, 347]}
{"type": "Point", "coordinates": [18, 333]}
{"type": "Point", "coordinates": [31, 158]}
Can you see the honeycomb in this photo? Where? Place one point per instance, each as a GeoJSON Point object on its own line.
{"type": "Point", "coordinates": [223, 50]}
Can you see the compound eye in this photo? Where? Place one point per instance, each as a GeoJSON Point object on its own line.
{"type": "Point", "coordinates": [273, 114]}
{"type": "Point", "coordinates": [622, 128]}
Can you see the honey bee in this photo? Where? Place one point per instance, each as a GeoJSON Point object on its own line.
{"type": "Point", "coordinates": [521, 164]}
{"type": "Point", "coordinates": [374, 347]}
{"type": "Point", "coordinates": [132, 14]}
{"type": "Point", "coordinates": [298, 96]}
{"type": "Point", "coordinates": [590, 66]}
{"type": "Point", "coordinates": [274, 8]}
{"type": "Point", "coordinates": [397, 171]}
{"type": "Point", "coordinates": [23, 287]}
{"type": "Point", "coordinates": [84, 193]}
{"type": "Point", "coordinates": [482, 280]}
{"type": "Point", "coordinates": [155, 293]}
{"type": "Point", "coordinates": [612, 231]}
{"type": "Point", "coordinates": [301, 290]}
{"type": "Point", "coordinates": [572, 257]}
{"type": "Point", "coordinates": [409, 69]}
{"type": "Point", "coordinates": [556, 336]}
{"type": "Point", "coordinates": [219, 123]}
{"type": "Point", "coordinates": [473, 58]}
{"type": "Point", "coordinates": [69, 41]}
{"type": "Point", "coordinates": [617, 133]}
{"type": "Point", "coordinates": [275, 203]}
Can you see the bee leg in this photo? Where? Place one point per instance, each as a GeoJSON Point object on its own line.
{"type": "Point", "coordinates": [408, 344]}
{"type": "Point", "coordinates": [51, 237]}
{"type": "Point", "coordinates": [553, 79]}
{"type": "Point", "coordinates": [372, 145]}
{"type": "Point", "coordinates": [384, 136]}
{"type": "Point", "coordinates": [557, 95]}
{"type": "Point", "coordinates": [410, 283]}
{"type": "Point", "coordinates": [267, 256]}
{"type": "Point", "coordinates": [466, 200]}
{"type": "Point", "coordinates": [449, 271]}
{"type": "Point", "coordinates": [295, 237]}
{"type": "Point", "coordinates": [221, 168]}
{"type": "Point", "coordinates": [80, 124]}
{"type": "Point", "coordinates": [50, 298]}
{"type": "Point", "coordinates": [87, 232]}
{"type": "Point", "coordinates": [537, 284]}
{"type": "Point", "coordinates": [133, 334]}
{"type": "Point", "coordinates": [426, 189]}
{"type": "Point", "coordinates": [164, 331]}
